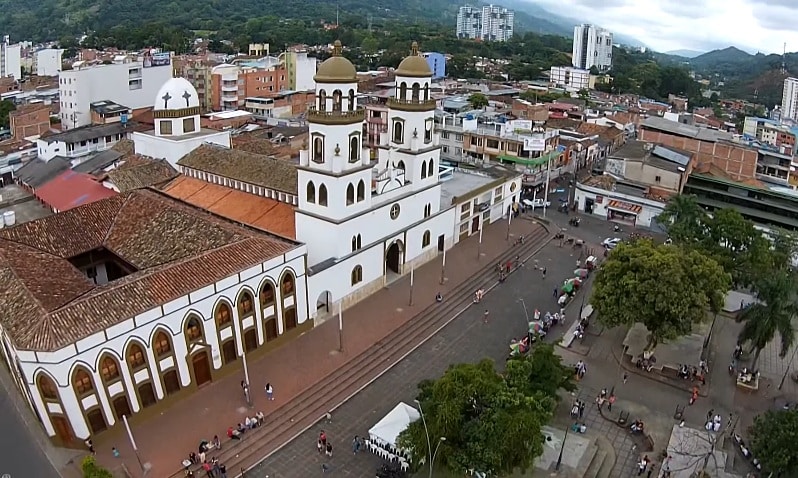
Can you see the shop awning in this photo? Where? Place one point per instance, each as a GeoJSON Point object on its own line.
{"type": "Point", "coordinates": [624, 206]}
{"type": "Point", "coordinates": [534, 161]}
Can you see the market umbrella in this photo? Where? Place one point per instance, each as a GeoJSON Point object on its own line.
{"type": "Point", "coordinates": [535, 327]}
{"type": "Point", "coordinates": [568, 287]}
{"type": "Point", "coordinates": [515, 348]}
{"type": "Point", "coordinates": [581, 273]}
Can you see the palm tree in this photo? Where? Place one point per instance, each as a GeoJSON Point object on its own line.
{"type": "Point", "coordinates": [684, 219]}
{"type": "Point", "coordinates": [771, 314]}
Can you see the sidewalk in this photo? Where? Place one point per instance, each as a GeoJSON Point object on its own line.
{"type": "Point", "coordinates": [166, 440]}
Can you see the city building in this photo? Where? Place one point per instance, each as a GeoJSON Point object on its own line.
{"type": "Point", "coordinates": [198, 73]}
{"type": "Point", "coordinates": [129, 82]}
{"type": "Point", "coordinates": [10, 59]}
{"type": "Point", "coordinates": [299, 68]}
{"type": "Point", "coordinates": [771, 133]}
{"type": "Point", "coordinates": [789, 100]}
{"type": "Point", "coordinates": [571, 79]}
{"type": "Point", "coordinates": [286, 104]}
{"type": "Point", "coordinates": [437, 64]}
{"type": "Point", "coordinates": [48, 61]}
{"type": "Point", "coordinates": [29, 121]}
{"type": "Point", "coordinates": [83, 141]}
{"type": "Point", "coordinates": [592, 47]}
{"type": "Point", "coordinates": [487, 23]}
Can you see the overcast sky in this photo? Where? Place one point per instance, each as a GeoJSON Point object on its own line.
{"type": "Point", "coordinates": [664, 25]}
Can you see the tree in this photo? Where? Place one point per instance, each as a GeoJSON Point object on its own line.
{"type": "Point", "coordinates": [540, 372]}
{"type": "Point", "coordinates": [6, 107]}
{"type": "Point", "coordinates": [772, 313]}
{"type": "Point", "coordinates": [736, 245]}
{"type": "Point", "coordinates": [667, 288]}
{"type": "Point", "coordinates": [91, 469]}
{"type": "Point", "coordinates": [478, 101]}
{"type": "Point", "coordinates": [488, 424]}
{"type": "Point", "coordinates": [773, 438]}
{"type": "Point", "coordinates": [684, 219]}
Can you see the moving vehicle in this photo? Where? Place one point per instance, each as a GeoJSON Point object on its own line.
{"type": "Point", "coordinates": [611, 242]}
{"type": "Point", "coordinates": [536, 203]}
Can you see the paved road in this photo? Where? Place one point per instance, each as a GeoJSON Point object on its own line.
{"type": "Point", "coordinates": [21, 456]}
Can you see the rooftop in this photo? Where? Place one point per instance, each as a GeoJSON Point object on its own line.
{"type": "Point", "coordinates": [71, 189]}
{"type": "Point", "coordinates": [22, 203]}
{"type": "Point", "coordinates": [37, 172]}
{"type": "Point", "coordinates": [99, 162]}
{"type": "Point", "coordinates": [679, 129]}
{"type": "Point", "coordinates": [87, 133]}
{"type": "Point", "coordinates": [173, 248]}
{"type": "Point", "coordinates": [139, 172]}
{"type": "Point", "coordinates": [460, 184]}
{"type": "Point", "coordinates": [108, 107]}
{"type": "Point", "coordinates": [667, 158]}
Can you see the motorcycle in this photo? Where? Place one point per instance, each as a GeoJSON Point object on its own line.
{"type": "Point", "coordinates": [574, 221]}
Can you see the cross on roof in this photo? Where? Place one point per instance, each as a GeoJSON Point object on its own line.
{"type": "Point", "coordinates": [166, 99]}
{"type": "Point", "coordinates": [186, 96]}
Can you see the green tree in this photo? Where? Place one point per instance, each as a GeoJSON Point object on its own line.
{"type": "Point", "coordinates": [91, 469]}
{"type": "Point", "coordinates": [540, 372]}
{"type": "Point", "coordinates": [667, 288]}
{"type": "Point", "coordinates": [773, 438]}
{"type": "Point", "coordinates": [684, 220]}
{"type": "Point", "coordinates": [478, 101]}
{"type": "Point", "coordinates": [772, 313]}
{"type": "Point", "coordinates": [487, 424]}
{"type": "Point", "coordinates": [736, 245]}
{"type": "Point", "coordinates": [6, 107]}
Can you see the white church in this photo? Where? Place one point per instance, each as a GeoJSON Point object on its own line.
{"type": "Point", "coordinates": [133, 301]}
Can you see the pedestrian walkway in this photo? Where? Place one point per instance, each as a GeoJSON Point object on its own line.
{"type": "Point", "coordinates": [165, 440]}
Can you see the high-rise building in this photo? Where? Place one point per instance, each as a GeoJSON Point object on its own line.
{"type": "Point", "coordinates": [789, 100]}
{"type": "Point", "coordinates": [592, 47]}
{"type": "Point", "coordinates": [10, 59]}
{"type": "Point", "coordinates": [487, 23]}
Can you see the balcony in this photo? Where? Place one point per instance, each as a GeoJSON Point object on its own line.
{"type": "Point", "coordinates": [411, 105]}
{"type": "Point", "coordinates": [336, 117]}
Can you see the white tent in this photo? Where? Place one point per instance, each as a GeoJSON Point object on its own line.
{"type": "Point", "coordinates": [394, 423]}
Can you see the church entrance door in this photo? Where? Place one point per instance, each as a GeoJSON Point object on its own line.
{"type": "Point", "coordinates": [393, 258]}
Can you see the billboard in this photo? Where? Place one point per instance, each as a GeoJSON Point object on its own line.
{"type": "Point", "coordinates": [532, 143]}
{"type": "Point", "coordinates": [157, 59]}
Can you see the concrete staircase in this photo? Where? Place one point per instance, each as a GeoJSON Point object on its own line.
{"type": "Point", "coordinates": [601, 459]}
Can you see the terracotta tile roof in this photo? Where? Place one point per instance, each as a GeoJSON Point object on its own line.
{"type": "Point", "coordinates": [175, 248]}
{"type": "Point", "coordinates": [606, 133]}
{"type": "Point", "coordinates": [243, 166]}
{"type": "Point", "coordinates": [562, 123]}
{"type": "Point", "coordinates": [255, 211]}
{"type": "Point", "coordinates": [124, 146]}
{"type": "Point", "coordinates": [139, 172]}
{"type": "Point", "coordinates": [71, 189]}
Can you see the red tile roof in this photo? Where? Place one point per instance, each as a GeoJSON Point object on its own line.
{"type": "Point", "coordinates": [72, 189]}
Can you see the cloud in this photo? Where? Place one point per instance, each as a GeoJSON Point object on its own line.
{"type": "Point", "coordinates": [762, 25]}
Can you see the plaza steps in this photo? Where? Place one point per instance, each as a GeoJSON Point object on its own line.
{"type": "Point", "coordinates": [315, 402]}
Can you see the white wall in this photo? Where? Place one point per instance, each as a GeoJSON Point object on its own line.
{"type": "Point", "coordinates": [174, 148]}
{"type": "Point", "coordinates": [650, 209]}
{"type": "Point", "coordinates": [11, 64]}
{"type": "Point", "coordinates": [305, 70]}
{"type": "Point", "coordinates": [170, 317]}
{"type": "Point", "coordinates": [48, 61]}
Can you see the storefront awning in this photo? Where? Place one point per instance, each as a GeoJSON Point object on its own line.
{"type": "Point", "coordinates": [533, 161]}
{"type": "Point", "coordinates": [624, 206]}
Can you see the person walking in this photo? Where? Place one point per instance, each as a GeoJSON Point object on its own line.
{"type": "Point", "coordinates": [555, 292]}
{"type": "Point", "coordinates": [543, 271]}
{"type": "Point", "coordinates": [485, 316]}
{"type": "Point", "coordinates": [269, 391]}
{"type": "Point", "coordinates": [625, 377]}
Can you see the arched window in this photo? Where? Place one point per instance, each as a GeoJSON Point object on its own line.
{"type": "Point", "coordinates": [193, 330]}
{"type": "Point", "coordinates": [267, 295]}
{"type": "Point", "coordinates": [136, 359]}
{"type": "Point", "coordinates": [361, 191]}
{"type": "Point", "coordinates": [47, 388]}
{"type": "Point", "coordinates": [403, 91]}
{"type": "Point", "coordinates": [337, 99]}
{"type": "Point", "coordinates": [109, 369]}
{"type": "Point", "coordinates": [310, 192]}
{"type": "Point", "coordinates": [322, 100]}
{"type": "Point", "coordinates": [426, 92]}
{"type": "Point", "coordinates": [425, 239]}
{"type": "Point", "coordinates": [82, 382]}
{"type": "Point", "coordinates": [245, 305]}
{"type": "Point", "coordinates": [401, 165]}
{"type": "Point", "coordinates": [287, 285]}
{"type": "Point", "coordinates": [356, 244]}
{"type": "Point", "coordinates": [161, 344]}
{"type": "Point", "coordinates": [357, 275]}
{"type": "Point", "coordinates": [423, 169]}
{"type": "Point", "coordinates": [322, 195]}
{"type": "Point", "coordinates": [350, 194]}
{"type": "Point", "coordinates": [354, 149]}
{"type": "Point", "coordinates": [398, 132]}
{"type": "Point", "coordinates": [428, 210]}
{"type": "Point", "coordinates": [318, 150]}
{"type": "Point", "coordinates": [431, 168]}
{"type": "Point", "coordinates": [351, 100]}
{"type": "Point", "coordinates": [223, 315]}
{"type": "Point", "coordinates": [416, 92]}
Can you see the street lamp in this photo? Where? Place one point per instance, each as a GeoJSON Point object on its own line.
{"type": "Point", "coordinates": [526, 312]}
{"type": "Point", "coordinates": [432, 454]}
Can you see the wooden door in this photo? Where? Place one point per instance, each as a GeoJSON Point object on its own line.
{"type": "Point", "coordinates": [202, 368]}
{"type": "Point", "coordinates": [147, 395]}
{"type": "Point", "coordinates": [96, 421]}
{"type": "Point", "coordinates": [290, 319]}
{"type": "Point", "coordinates": [121, 406]}
{"type": "Point", "coordinates": [271, 329]}
{"type": "Point", "coordinates": [171, 382]}
{"type": "Point", "coordinates": [62, 429]}
{"type": "Point", "coordinates": [229, 354]}
{"type": "Point", "coordinates": [250, 340]}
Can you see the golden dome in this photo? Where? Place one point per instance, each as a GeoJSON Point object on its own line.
{"type": "Point", "coordinates": [336, 69]}
{"type": "Point", "coordinates": [414, 66]}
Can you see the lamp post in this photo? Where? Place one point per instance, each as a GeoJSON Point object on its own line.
{"type": "Point", "coordinates": [432, 454]}
{"type": "Point", "coordinates": [548, 185]}
{"type": "Point", "coordinates": [526, 312]}
{"type": "Point", "coordinates": [562, 448]}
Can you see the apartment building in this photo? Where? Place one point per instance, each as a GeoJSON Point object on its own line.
{"type": "Point", "coordinates": [29, 121]}
{"type": "Point", "coordinates": [789, 100]}
{"type": "Point", "coordinates": [770, 133]}
{"type": "Point", "coordinates": [571, 79]}
{"type": "Point", "coordinates": [198, 73]}
{"type": "Point", "coordinates": [592, 47]}
{"type": "Point", "coordinates": [10, 59]}
{"type": "Point", "coordinates": [299, 69]}
{"type": "Point", "coordinates": [48, 61]}
{"type": "Point", "coordinates": [486, 23]}
{"type": "Point", "coordinates": [129, 81]}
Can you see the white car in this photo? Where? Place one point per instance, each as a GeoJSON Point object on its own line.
{"type": "Point", "coordinates": [611, 242]}
{"type": "Point", "coordinates": [536, 203]}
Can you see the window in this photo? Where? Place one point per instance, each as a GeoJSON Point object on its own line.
{"type": "Point", "coordinates": [425, 239]}
{"type": "Point", "coordinates": [361, 191]}
{"type": "Point", "coordinates": [109, 370]}
{"type": "Point", "coordinates": [356, 244]}
{"type": "Point", "coordinates": [337, 99]}
{"type": "Point", "coordinates": [189, 126]}
{"type": "Point", "coordinates": [354, 149]}
{"type": "Point", "coordinates": [357, 275]}
{"type": "Point", "coordinates": [403, 91]}
{"type": "Point", "coordinates": [245, 306]}
{"type": "Point", "coordinates": [322, 195]}
{"type": "Point", "coordinates": [193, 330]}
{"type": "Point", "coordinates": [416, 92]}
{"type": "Point", "coordinates": [135, 357]}
{"type": "Point", "coordinates": [395, 209]}
{"type": "Point", "coordinates": [428, 210]}
{"type": "Point", "coordinates": [322, 100]}
{"type": "Point", "coordinates": [350, 194]}
{"type": "Point", "coordinates": [398, 132]}
{"type": "Point", "coordinates": [166, 127]}
{"type": "Point", "coordinates": [401, 165]}
{"type": "Point", "coordinates": [47, 388]}
{"type": "Point", "coordinates": [310, 192]}
{"type": "Point", "coordinates": [657, 179]}
{"type": "Point", "coordinates": [423, 170]}
{"type": "Point", "coordinates": [267, 295]}
{"type": "Point", "coordinates": [288, 284]}
{"type": "Point", "coordinates": [161, 344]}
{"type": "Point", "coordinates": [431, 168]}
{"type": "Point", "coordinates": [513, 187]}
{"type": "Point", "coordinates": [82, 383]}
{"type": "Point", "coordinates": [318, 150]}
{"type": "Point", "coordinates": [351, 100]}
{"type": "Point", "coordinates": [428, 131]}
{"type": "Point", "coordinates": [223, 316]}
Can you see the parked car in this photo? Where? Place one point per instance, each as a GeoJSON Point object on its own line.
{"type": "Point", "coordinates": [536, 203]}
{"type": "Point", "coordinates": [611, 242]}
